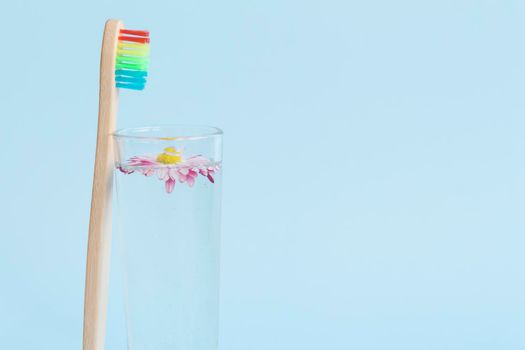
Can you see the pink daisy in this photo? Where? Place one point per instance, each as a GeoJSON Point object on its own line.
{"type": "Point", "coordinates": [170, 166]}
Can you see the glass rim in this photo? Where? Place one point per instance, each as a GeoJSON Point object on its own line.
{"type": "Point", "coordinates": [144, 132]}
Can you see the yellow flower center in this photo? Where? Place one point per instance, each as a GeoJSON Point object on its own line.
{"type": "Point", "coordinates": [170, 156]}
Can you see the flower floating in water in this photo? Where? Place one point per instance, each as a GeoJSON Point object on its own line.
{"type": "Point", "coordinates": [171, 166]}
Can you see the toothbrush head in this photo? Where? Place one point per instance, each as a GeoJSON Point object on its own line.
{"type": "Point", "coordinates": [132, 62]}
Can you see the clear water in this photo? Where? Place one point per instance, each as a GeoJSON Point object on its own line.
{"type": "Point", "coordinates": [170, 247]}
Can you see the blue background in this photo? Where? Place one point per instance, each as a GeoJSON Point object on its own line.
{"type": "Point", "coordinates": [374, 176]}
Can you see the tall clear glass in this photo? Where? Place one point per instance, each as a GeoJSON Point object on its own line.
{"type": "Point", "coordinates": [168, 183]}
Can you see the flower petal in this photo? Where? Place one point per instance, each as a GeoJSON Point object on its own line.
{"type": "Point", "coordinates": [148, 171]}
{"type": "Point", "coordinates": [162, 174]}
{"type": "Point", "coordinates": [172, 173]}
{"type": "Point", "coordinates": [170, 183]}
{"type": "Point", "coordinates": [125, 171]}
{"type": "Point", "coordinates": [196, 161]}
{"type": "Point", "coordinates": [142, 161]}
{"type": "Point", "coordinates": [183, 178]}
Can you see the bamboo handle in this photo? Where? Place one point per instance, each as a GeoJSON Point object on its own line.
{"type": "Point", "coordinates": [99, 240]}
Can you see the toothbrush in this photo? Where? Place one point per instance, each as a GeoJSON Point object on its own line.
{"type": "Point", "coordinates": [124, 63]}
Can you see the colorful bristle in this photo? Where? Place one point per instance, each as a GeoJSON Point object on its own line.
{"type": "Point", "coordinates": [131, 66]}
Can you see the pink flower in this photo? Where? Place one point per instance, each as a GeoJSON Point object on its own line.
{"type": "Point", "coordinates": [185, 170]}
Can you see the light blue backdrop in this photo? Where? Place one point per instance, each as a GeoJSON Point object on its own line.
{"type": "Point", "coordinates": [374, 176]}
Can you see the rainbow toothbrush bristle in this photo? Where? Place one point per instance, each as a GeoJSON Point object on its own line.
{"type": "Point", "coordinates": [131, 66]}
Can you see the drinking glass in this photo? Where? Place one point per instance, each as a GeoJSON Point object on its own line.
{"type": "Point", "coordinates": [168, 188]}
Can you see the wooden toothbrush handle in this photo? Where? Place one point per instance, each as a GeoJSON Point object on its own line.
{"type": "Point", "coordinates": [99, 240]}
